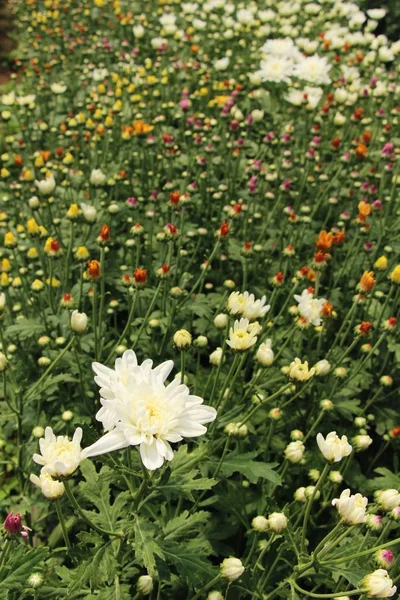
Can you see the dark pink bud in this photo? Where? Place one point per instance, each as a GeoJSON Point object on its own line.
{"type": "Point", "coordinates": [13, 523]}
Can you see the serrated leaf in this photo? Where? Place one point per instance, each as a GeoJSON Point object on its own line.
{"type": "Point", "coordinates": [191, 565]}
{"type": "Point", "coordinates": [185, 524]}
{"type": "Point", "coordinates": [252, 469]}
{"type": "Point", "coordinates": [186, 483]}
{"type": "Point", "coordinates": [145, 545]}
{"type": "Point", "coordinates": [388, 480]}
{"type": "Point", "coordinates": [96, 489]}
{"type": "Point", "coordinates": [25, 329]}
{"type": "Point", "coordinates": [97, 570]}
{"type": "Point", "coordinates": [22, 563]}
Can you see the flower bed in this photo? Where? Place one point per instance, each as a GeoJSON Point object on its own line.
{"type": "Point", "coordinates": [199, 301]}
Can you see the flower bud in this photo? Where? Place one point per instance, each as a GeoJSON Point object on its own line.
{"type": "Point", "coordinates": [201, 341]}
{"type": "Point", "coordinates": [322, 367]}
{"type": "Point", "coordinates": [3, 362]}
{"type": "Point", "coordinates": [294, 451]}
{"type": "Point", "coordinates": [215, 595]}
{"type": "Point", "coordinates": [13, 523]}
{"type": "Point", "coordinates": [384, 558]}
{"type": "Point", "coordinates": [182, 339]}
{"type": "Point", "coordinates": [221, 321]}
{"type": "Point", "coordinates": [387, 499]}
{"type": "Point", "coordinates": [216, 357]}
{"type": "Point", "coordinates": [260, 524]}
{"type": "Point", "coordinates": [231, 568]}
{"type": "Point", "coordinates": [144, 585]}
{"type": "Point", "coordinates": [277, 522]}
{"type": "Point", "coordinates": [79, 321]}
{"type": "Point", "coordinates": [35, 580]}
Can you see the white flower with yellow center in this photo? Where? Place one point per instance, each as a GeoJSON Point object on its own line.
{"type": "Point", "coordinates": [309, 307]}
{"type": "Point", "coordinates": [51, 488]}
{"type": "Point", "coordinates": [240, 337]}
{"type": "Point", "coordinates": [59, 455]}
{"type": "Point", "coordinates": [138, 409]}
{"type": "Point", "coordinates": [299, 371]}
{"type": "Point", "coordinates": [351, 508]}
{"type": "Point", "coordinates": [333, 447]}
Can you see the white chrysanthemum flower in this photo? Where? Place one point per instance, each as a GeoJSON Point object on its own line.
{"type": "Point", "coordinates": [313, 69]}
{"type": "Point", "coordinates": [139, 410]}
{"type": "Point", "coordinates": [254, 309]}
{"type": "Point", "coordinates": [247, 306]}
{"type": "Point", "coordinates": [332, 447]}
{"type": "Point", "coordinates": [295, 97]}
{"type": "Point", "coordinates": [300, 371]}
{"type": "Point", "coordinates": [240, 337]}
{"type": "Point", "coordinates": [46, 186]}
{"type": "Point", "coordinates": [309, 307]}
{"type": "Point", "coordinates": [313, 96]}
{"type": "Point", "coordinates": [351, 508]}
{"type": "Point", "coordinates": [8, 99]}
{"type": "Point", "coordinates": [283, 47]}
{"type": "Point", "coordinates": [276, 68]}
{"type": "Point", "coordinates": [378, 585]}
{"type": "Point", "coordinates": [51, 488]}
{"type": "Point", "coordinates": [59, 455]}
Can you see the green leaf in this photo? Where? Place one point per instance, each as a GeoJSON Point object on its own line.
{"type": "Point", "coordinates": [388, 480]}
{"type": "Point", "coordinates": [21, 566]}
{"type": "Point", "coordinates": [191, 565]}
{"type": "Point", "coordinates": [96, 489]}
{"type": "Point", "coordinates": [25, 329]}
{"type": "Point", "coordinates": [97, 570]}
{"type": "Point", "coordinates": [145, 545]}
{"type": "Point", "coordinates": [186, 483]}
{"type": "Point", "coordinates": [185, 524]}
{"type": "Point", "coordinates": [352, 574]}
{"type": "Point", "coordinates": [348, 408]}
{"type": "Point", "coordinates": [252, 469]}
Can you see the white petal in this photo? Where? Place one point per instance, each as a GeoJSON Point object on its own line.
{"type": "Point", "coordinates": [150, 456]}
{"type": "Point", "coordinates": [114, 440]}
{"type": "Point", "coordinates": [164, 369]}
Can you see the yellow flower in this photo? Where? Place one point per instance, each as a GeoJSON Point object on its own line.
{"type": "Point", "coordinates": [4, 280]}
{"type": "Point", "coordinates": [33, 227]}
{"type": "Point", "coordinates": [55, 283]}
{"type": "Point", "coordinates": [17, 282]}
{"type": "Point", "coordinates": [117, 106]}
{"type": "Point", "coordinates": [108, 121]}
{"type": "Point", "coordinates": [101, 88]}
{"type": "Point", "coordinates": [381, 263]}
{"type": "Point", "coordinates": [81, 253]}
{"type": "Point", "coordinates": [32, 253]}
{"type": "Point", "coordinates": [10, 240]}
{"type": "Point", "coordinates": [5, 265]}
{"type": "Point", "coordinates": [73, 212]}
{"type": "Point", "coordinates": [37, 285]}
{"type": "Point", "coordinates": [68, 159]}
{"type": "Point", "coordinates": [395, 274]}
{"type": "Point", "coordinates": [4, 173]}
{"type": "Point", "coordinates": [43, 231]}
{"type": "Point", "coordinates": [39, 162]}
{"type": "Point", "coordinates": [20, 229]}
{"type": "Point", "coordinates": [28, 175]}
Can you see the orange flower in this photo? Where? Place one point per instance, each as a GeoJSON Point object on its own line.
{"type": "Point", "coordinates": [140, 276]}
{"type": "Point", "coordinates": [141, 128]}
{"type": "Point", "coordinates": [366, 282]}
{"type": "Point", "coordinates": [104, 235]}
{"type": "Point", "coordinates": [366, 137]}
{"type": "Point", "coordinates": [223, 230]}
{"type": "Point", "coordinates": [174, 198]}
{"type": "Point", "coordinates": [327, 310]}
{"type": "Point", "coordinates": [324, 241]}
{"type": "Point", "coordinates": [338, 238]}
{"type": "Point", "coordinates": [94, 271]}
{"type": "Point", "coordinates": [364, 209]}
{"type": "Point", "coordinates": [361, 151]}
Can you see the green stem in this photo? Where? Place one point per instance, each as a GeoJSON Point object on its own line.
{"type": "Point", "coordinates": [309, 505]}
{"type": "Point", "coordinates": [148, 313]}
{"type": "Point", "coordinates": [62, 523]}
{"type": "Point", "coordinates": [33, 389]}
{"type": "Point", "coordinates": [334, 595]}
{"type": "Point", "coordinates": [364, 552]}
{"type": "Point", "coordinates": [206, 587]}
{"type": "Point", "coordinates": [126, 329]}
{"type": "Point", "coordinates": [83, 516]}
{"type": "Point", "coordinates": [272, 397]}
